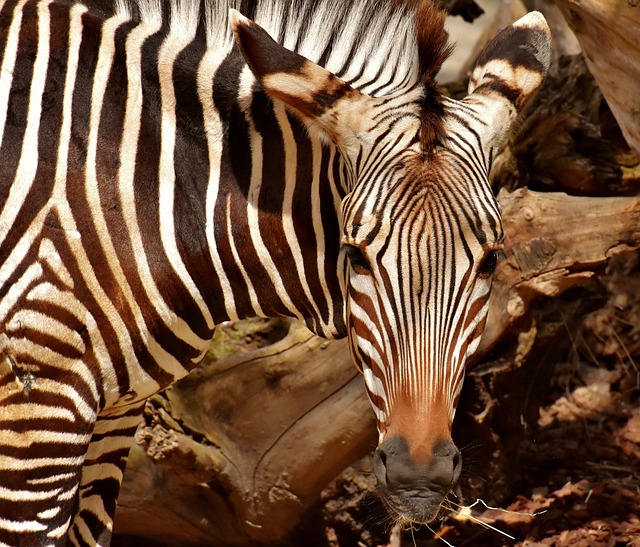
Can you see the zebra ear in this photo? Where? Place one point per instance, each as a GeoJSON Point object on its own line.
{"type": "Point", "coordinates": [309, 90]}
{"type": "Point", "coordinates": [512, 67]}
{"type": "Point", "coordinates": [516, 61]}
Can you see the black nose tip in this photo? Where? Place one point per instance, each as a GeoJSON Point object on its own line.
{"type": "Point", "coordinates": [417, 486]}
{"type": "Point", "coordinates": [394, 467]}
{"type": "Point", "coordinates": [447, 453]}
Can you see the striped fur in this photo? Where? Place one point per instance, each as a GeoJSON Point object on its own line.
{"type": "Point", "coordinates": [157, 180]}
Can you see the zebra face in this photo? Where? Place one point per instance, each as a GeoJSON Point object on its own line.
{"type": "Point", "coordinates": [422, 234]}
{"type": "Point", "coordinates": [421, 260]}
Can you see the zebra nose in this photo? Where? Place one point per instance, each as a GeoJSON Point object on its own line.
{"type": "Point", "coordinates": [415, 489]}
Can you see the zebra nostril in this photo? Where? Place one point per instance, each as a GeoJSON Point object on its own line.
{"type": "Point", "coordinates": [380, 466]}
{"type": "Point", "coordinates": [457, 466]}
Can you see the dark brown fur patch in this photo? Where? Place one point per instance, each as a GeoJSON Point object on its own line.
{"type": "Point", "coordinates": [263, 54]}
{"type": "Point", "coordinates": [433, 49]}
{"type": "Point", "coordinates": [433, 39]}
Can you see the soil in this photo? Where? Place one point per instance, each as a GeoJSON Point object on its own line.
{"type": "Point", "coordinates": [574, 478]}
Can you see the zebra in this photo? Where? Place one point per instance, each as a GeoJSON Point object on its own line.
{"type": "Point", "coordinates": [169, 165]}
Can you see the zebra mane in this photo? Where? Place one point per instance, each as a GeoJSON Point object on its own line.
{"type": "Point", "coordinates": [375, 45]}
{"type": "Point", "coordinates": [378, 46]}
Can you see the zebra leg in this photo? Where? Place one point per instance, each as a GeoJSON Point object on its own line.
{"type": "Point", "coordinates": [102, 475]}
{"type": "Point", "coordinates": [44, 434]}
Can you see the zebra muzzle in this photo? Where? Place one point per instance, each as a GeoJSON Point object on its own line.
{"type": "Point", "coordinates": [414, 491]}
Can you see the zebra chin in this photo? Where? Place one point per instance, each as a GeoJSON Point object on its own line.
{"type": "Point", "coordinates": [412, 507]}
{"type": "Point", "coordinates": [414, 491]}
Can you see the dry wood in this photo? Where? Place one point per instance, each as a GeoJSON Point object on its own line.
{"type": "Point", "coordinates": [609, 34]}
{"type": "Point", "coordinates": [564, 142]}
{"type": "Point", "coordinates": [259, 436]}
{"type": "Point", "coordinates": [554, 241]}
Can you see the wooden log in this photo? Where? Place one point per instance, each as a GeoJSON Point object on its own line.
{"type": "Point", "coordinates": [553, 242]}
{"type": "Point", "coordinates": [263, 432]}
{"type": "Point", "coordinates": [561, 145]}
{"type": "Point", "coordinates": [609, 34]}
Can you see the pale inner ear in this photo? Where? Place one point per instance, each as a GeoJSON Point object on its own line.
{"type": "Point", "coordinates": [515, 62]}
{"type": "Point", "coordinates": [528, 80]}
{"type": "Point", "coordinates": [311, 92]}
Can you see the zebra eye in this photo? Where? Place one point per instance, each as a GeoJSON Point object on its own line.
{"type": "Point", "coordinates": [357, 260]}
{"type": "Point", "coordinates": [489, 263]}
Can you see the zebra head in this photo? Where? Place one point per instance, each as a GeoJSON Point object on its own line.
{"type": "Point", "coordinates": [422, 233]}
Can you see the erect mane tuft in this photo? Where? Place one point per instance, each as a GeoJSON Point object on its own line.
{"type": "Point", "coordinates": [432, 39]}
{"type": "Point", "coordinates": [433, 49]}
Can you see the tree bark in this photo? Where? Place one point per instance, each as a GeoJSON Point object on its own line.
{"type": "Point", "coordinates": [255, 438]}
{"type": "Point", "coordinates": [551, 246]}
{"type": "Point", "coordinates": [609, 34]}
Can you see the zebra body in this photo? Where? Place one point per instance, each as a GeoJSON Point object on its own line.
{"type": "Point", "coordinates": [162, 174]}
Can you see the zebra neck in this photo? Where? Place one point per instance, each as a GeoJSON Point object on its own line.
{"type": "Point", "coordinates": [236, 206]}
{"type": "Point", "coordinates": [272, 206]}
{"type": "Point", "coordinates": [247, 204]}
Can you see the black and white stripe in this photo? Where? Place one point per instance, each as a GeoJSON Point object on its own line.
{"type": "Point", "coordinates": [157, 180]}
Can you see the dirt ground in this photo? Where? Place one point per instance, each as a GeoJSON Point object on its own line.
{"type": "Point", "coordinates": [575, 476]}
